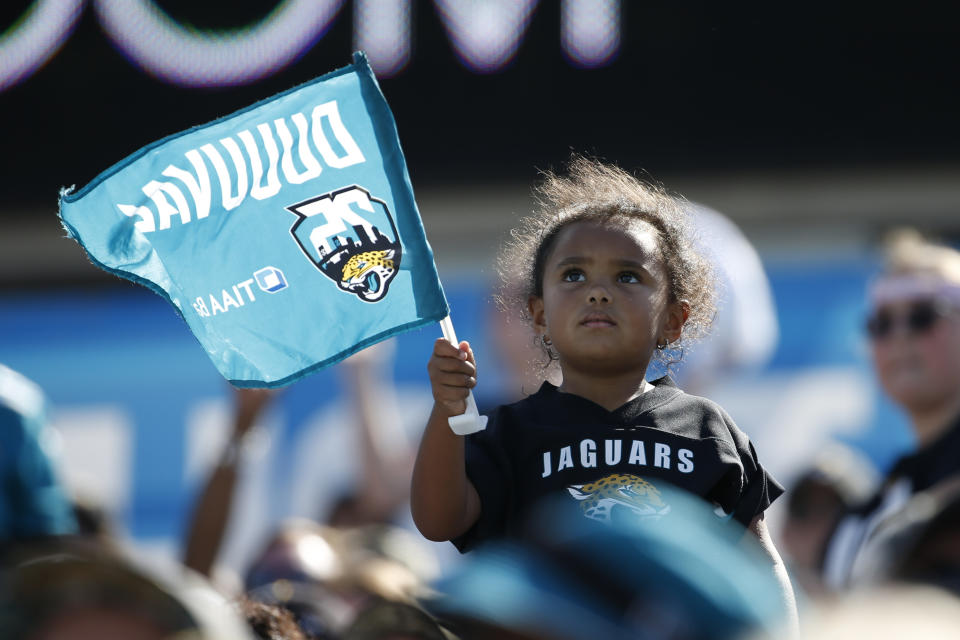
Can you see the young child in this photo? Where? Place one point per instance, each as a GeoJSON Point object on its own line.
{"type": "Point", "coordinates": [609, 280]}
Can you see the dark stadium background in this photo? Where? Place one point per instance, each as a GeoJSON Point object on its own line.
{"type": "Point", "coordinates": [696, 86]}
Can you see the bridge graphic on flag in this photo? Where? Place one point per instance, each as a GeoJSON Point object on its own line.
{"type": "Point", "coordinates": [342, 233]}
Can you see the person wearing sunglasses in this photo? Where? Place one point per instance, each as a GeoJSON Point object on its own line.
{"type": "Point", "coordinates": [914, 333]}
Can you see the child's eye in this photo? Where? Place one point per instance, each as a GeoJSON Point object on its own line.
{"type": "Point", "coordinates": [628, 277]}
{"type": "Point", "coordinates": [573, 275]}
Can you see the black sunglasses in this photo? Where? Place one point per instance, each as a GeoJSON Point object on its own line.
{"type": "Point", "coordinates": [919, 318]}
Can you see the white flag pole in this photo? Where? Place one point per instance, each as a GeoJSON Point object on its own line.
{"type": "Point", "coordinates": [470, 421]}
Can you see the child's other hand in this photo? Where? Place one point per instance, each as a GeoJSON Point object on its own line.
{"type": "Point", "coordinates": [453, 372]}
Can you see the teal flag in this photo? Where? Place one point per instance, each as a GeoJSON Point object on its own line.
{"type": "Point", "coordinates": [286, 234]}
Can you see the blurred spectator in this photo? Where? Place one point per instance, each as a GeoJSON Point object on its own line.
{"type": "Point", "coordinates": [685, 575]}
{"type": "Point", "coordinates": [326, 576]}
{"type": "Point", "coordinates": [93, 520]}
{"type": "Point", "coordinates": [379, 494]}
{"type": "Point", "coordinates": [914, 329]}
{"type": "Point", "coordinates": [892, 612]}
{"type": "Point", "coordinates": [270, 622]}
{"type": "Point", "coordinates": [323, 574]}
{"type": "Point", "coordinates": [931, 555]}
{"type": "Point", "coordinates": [301, 569]}
{"type": "Point", "coordinates": [211, 512]}
{"type": "Point", "coordinates": [396, 562]}
{"type": "Point", "coordinates": [388, 620]}
{"type": "Point", "coordinates": [382, 490]}
{"type": "Point", "coordinates": [838, 479]}
{"type": "Point", "coordinates": [920, 543]}
{"type": "Point", "coordinates": [32, 501]}
{"type": "Point", "coordinates": [745, 331]}
{"type": "Point", "coordinates": [73, 589]}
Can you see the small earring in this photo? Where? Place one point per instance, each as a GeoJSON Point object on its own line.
{"type": "Point", "coordinates": [545, 341]}
{"type": "Point", "coordinates": [663, 345]}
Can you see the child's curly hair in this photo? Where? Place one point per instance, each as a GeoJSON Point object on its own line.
{"type": "Point", "coordinates": [594, 191]}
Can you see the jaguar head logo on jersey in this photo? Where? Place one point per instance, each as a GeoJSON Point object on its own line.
{"type": "Point", "coordinates": [619, 495]}
{"type": "Point", "coordinates": [351, 238]}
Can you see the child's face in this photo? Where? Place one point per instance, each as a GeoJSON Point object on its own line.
{"type": "Point", "coordinates": [604, 303]}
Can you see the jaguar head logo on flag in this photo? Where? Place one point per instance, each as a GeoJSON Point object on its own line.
{"type": "Point", "coordinates": [343, 234]}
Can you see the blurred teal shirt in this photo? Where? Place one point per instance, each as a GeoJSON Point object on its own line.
{"type": "Point", "coordinates": [32, 501]}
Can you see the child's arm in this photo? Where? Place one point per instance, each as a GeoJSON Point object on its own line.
{"type": "Point", "coordinates": [443, 501]}
{"type": "Point", "coordinates": [758, 527]}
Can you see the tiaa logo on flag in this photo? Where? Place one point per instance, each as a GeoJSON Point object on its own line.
{"type": "Point", "coordinates": [351, 238]}
{"type": "Point", "coordinates": [286, 234]}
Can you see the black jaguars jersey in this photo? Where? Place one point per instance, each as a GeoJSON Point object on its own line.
{"type": "Point", "coordinates": [610, 463]}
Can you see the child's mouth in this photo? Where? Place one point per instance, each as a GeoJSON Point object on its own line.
{"type": "Point", "coordinates": [598, 321]}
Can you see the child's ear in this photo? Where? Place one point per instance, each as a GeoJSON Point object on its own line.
{"type": "Point", "coordinates": [535, 307]}
{"type": "Point", "coordinates": [677, 314]}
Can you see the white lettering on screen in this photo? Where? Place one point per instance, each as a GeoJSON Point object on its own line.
{"type": "Point", "coordinates": [484, 35]}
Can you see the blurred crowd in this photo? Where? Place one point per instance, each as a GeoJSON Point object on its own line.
{"type": "Point", "coordinates": [872, 553]}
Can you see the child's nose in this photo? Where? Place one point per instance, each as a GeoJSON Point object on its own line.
{"type": "Point", "coordinates": [598, 294]}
